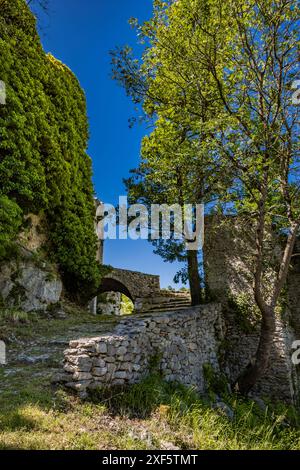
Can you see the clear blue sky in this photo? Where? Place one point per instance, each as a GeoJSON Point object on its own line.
{"type": "Point", "coordinates": [81, 33]}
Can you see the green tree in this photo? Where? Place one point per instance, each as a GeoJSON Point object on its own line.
{"type": "Point", "coordinates": [236, 62]}
{"type": "Point", "coordinates": [259, 138]}
{"type": "Point", "coordinates": [176, 167]}
{"type": "Point", "coordinates": [172, 171]}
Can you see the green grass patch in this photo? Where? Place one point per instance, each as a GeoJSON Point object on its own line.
{"type": "Point", "coordinates": [36, 415]}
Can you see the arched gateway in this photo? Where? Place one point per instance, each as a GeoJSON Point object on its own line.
{"type": "Point", "coordinates": [142, 289]}
{"type": "Point", "coordinates": [139, 287]}
{"type": "Point", "coordinates": [131, 283]}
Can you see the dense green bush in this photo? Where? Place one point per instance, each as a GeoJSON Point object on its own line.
{"type": "Point", "coordinates": [10, 222]}
{"type": "Point", "coordinates": [43, 140]}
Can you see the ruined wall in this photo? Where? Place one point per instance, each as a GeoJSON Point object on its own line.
{"type": "Point", "coordinates": [109, 303]}
{"type": "Point", "coordinates": [229, 256]}
{"type": "Point", "coordinates": [280, 379]}
{"type": "Point", "coordinates": [229, 275]}
{"type": "Point", "coordinates": [180, 342]}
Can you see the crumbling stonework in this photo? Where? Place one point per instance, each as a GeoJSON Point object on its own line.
{"type": "Point", "coordinates": [229, 256]}
{"type": "Point", "coordinates": [279, 381]}
{"type": "Point", "coordinates": [109, 303]}
{"type": "Point", "coordinates": [229, 275]}
{"type": "Point", "coordinates": [33, 237]}
{"type": "Point", "coordinates": [180, 342]}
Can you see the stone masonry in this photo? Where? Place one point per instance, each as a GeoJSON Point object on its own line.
{"type": "Point", "coordinates": [180, 342]}
{"type": "Point", "coordinates": [109, 303]}
{"type": "Point", "coordinates": [229, 275]}
{"type": "Point", "coordinates": [131, 283]}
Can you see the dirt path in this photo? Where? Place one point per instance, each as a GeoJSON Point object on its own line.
{"type": "Point", "coordinates": [34, 414]}
{"type": "Point", "coordinates": [38, 350]}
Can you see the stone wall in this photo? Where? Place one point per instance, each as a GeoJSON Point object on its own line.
{"type": "Point", "coordinates": [280, 379]}
{"type": "Point", "coordinates": [33, 236]}
{"type": "Point", "coordinates": [109, 303]}
{"type": "Point", "coordinates": [180, 342]}
{"type": "Point", "coordinates": [229, 256]}
{"type": "Point", "coordinates": [229, 275]}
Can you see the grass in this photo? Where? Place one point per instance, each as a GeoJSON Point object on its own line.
{"type": "Point", "coordinates": [143, 416]}
{"type": "Point", "coordinates": [13, 316]}
{"type": "Point", "coordinates": [195, 424]}
{"type": "Point", "coordinates": [26, 326]}
{"type": "Point", "coordinates": [150, 415]}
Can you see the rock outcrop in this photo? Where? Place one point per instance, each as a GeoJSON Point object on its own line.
{"type": "Point", "coordinates": [29, 286]}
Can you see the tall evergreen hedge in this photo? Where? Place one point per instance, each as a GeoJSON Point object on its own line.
{"type": "Point", "coordinates": [44, 167]}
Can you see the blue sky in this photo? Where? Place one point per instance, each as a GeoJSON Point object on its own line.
{"type": "Point", "coordinates": [81, 33]}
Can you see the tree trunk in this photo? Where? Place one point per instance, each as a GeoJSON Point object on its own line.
{"type": "Point", "coordinates": [256, 370]}
{"type": "Point", "coordinates": [194, 277]}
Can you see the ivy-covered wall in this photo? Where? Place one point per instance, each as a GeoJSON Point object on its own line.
{"type": "Point", "coordinates": [44, 167]}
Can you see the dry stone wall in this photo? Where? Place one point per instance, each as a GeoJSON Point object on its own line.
{"type": "Point", "coordinates": [180, 342]}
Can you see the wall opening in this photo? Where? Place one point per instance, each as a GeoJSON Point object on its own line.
{"type": "Point", "coordinates": [114, 303]}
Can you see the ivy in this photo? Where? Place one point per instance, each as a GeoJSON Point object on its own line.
{"type": "Point", "coordinates": [43, 139]}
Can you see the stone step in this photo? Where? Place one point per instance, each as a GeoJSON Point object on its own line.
{"type": "Point", "coordinates": [173, 301]}
{"type": "Point", "coordinates": [167, 308]}
{"type": "Point", "coordinates": [176, 302]}
{"type": "Point", "coordinates": [156, 307]}
{"type": "Point", "coordinates": [165, 304]}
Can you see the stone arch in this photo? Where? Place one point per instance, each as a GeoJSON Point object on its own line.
{"type": "Point", "coordinates": [110, 284]}
{"type": "Point", "coordinates": [133, 284]}
{"type": "Point", "coordinates": [140, 288]}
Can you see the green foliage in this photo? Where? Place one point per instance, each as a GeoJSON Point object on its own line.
{"type": "Point", "coordinates": [196, 424]}
{"type": "Point", "coordinates": [216, 383]}
{"type": "Point", "coordinates": [226, 127]}
{"type": "Point", "coordinates": [246, 312]}
{"type": "Point", "coordinates": [138, 400]}
{"type": "Point", "coordinates": [175, 167]}
{"type": "Point", "coordinates": [10, 222]}
{"type": "Point", "coordinates": [127, 306]}
{"type": "Point", "coordinates": [43, 141]}
{"type": "Point", "coordinates": [14, 316]}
